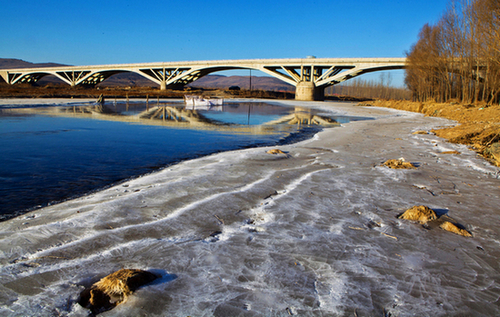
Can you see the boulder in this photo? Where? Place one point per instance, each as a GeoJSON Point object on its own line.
{"type": "Point", "coordinates": [399, 164]}
{"type": "Point", "coordinates": [451, 227]}
{"type": "Point", "coordinates": [422, 214]}
{"type": "Point", "coordinates": [276, 151]}
{"type": "Point", "coordinates": [114, 289]}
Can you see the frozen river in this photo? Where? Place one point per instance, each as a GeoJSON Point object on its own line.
{"type": "Point", "coordinates": [52, 152]}
{"type": "Point", "coordinates": [246, 233]}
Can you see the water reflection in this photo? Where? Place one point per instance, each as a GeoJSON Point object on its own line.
{"type": "Point", "coordinates": [205, 107]}
{"type": "Point", "coordinates": [304, 116]}
{"type": "Point", "coordinates": [253, 118]}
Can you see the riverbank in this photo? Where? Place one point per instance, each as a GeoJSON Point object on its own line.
{"type": "Point", "coordinates": [310, 232]}
{"type": "Point", "coordinates": [110, 93]}
{"type": "Point", "coordinates": [478, 126]}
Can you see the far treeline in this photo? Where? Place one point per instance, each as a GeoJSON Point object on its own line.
{"type": "Point", "coordinates": [370, 89]}
{"type": "Point", "coordinates": [459, 56]}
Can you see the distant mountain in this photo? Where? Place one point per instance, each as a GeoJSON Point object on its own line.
{"type": "Point", "coordinates": [6, 63]}
{"type": "Point", "coordinates": [132, 79]}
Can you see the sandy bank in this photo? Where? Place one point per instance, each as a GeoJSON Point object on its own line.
{"type": "Point", "coordinates": [310, 233]}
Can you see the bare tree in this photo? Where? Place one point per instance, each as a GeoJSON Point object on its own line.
{"type": "Point", "coordinates": [459, 56]}
{"type": "Point", "coordinates": [370, 89]}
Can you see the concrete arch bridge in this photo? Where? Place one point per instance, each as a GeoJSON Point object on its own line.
{"type": "Point", "coordinates": [310, 76]}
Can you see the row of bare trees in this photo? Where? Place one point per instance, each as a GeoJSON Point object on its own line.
{"type": "Point", "coordinates": [459, 56]}
{"type": "Point", "coordinates": [370, 89]}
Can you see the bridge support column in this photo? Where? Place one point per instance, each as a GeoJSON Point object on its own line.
{"type": "Point", "coordinates": [163, 85]}
{"type": "Point", "coordinates": [307, 91]}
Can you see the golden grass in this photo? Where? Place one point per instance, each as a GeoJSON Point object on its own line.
{"type": "Point", "coordinates": [450, 152]}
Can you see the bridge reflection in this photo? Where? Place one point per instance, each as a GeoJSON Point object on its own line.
{"type": "Point", "coordinates": [183, 117]}
{"type": "Point", "coordinates": [304, 116]}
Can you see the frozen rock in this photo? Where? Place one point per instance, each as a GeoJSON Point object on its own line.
{"type": "Point", "coordinates": [422, 214]}
{"type": "Point", "coordinates": [451, 227]}
{"type": "Point", "coordinates": [114, 289]}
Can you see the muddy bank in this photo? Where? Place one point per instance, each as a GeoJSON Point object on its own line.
{"type": "Point", "coordinates": [478, 125]}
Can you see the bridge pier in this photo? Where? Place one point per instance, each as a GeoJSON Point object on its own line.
{"type": "Point", "coordinates": [307, 91]}
{"type": "Point", "coordinates": [163, 86]}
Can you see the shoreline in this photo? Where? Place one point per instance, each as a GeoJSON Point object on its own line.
{"type": "Point", "coordinates": [246, 232]}
{"type": "Point", "coordinates": [478, 126]}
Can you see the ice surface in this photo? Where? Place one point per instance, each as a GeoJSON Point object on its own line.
{"type": "Point", "coordinates": [246, 233]}
{"type": "Point", "coordinates": [23, 102]}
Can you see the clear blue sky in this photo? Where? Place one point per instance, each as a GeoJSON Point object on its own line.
{"type": "Point", "coordinates": [107, 32]}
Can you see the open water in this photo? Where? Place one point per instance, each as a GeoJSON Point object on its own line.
{"type": "Point", "coordinates": [53, 153]}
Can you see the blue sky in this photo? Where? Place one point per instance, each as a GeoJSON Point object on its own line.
{"type": "Point", "coordinates": [108, 32]}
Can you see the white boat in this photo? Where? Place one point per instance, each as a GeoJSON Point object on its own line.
{"type": "Point", "coordinates": [195, 102]}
